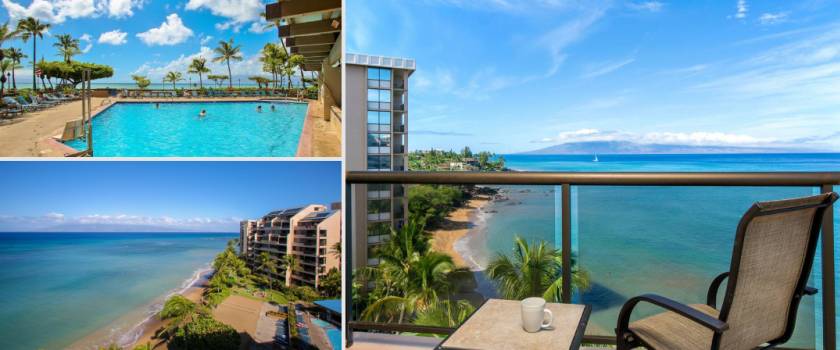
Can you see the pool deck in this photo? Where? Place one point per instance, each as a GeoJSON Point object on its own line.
{"type": "Point", "coordinates": [34, 133]}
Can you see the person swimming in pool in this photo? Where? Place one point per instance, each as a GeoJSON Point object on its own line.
{"type": "Point", "coordinates": [157, 105]}
{"type": "Point", "coordinates": [259, 108]}
{"type": "Point", "coordinates": [203, 113]}
{"type": "Point", "coordinates": [272, 108]}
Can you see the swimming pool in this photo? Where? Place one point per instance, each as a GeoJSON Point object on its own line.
{"type": "Point", "coordinates": [332, 333]}
{"type": "Point", "coordinates": [174, 129]}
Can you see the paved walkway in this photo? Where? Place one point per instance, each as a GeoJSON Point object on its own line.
{"type": "Point", "coordinates": [271, 331]}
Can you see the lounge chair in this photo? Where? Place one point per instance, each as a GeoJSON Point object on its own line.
{"type": "Point", "coordinates": [28, 105]}
{"type": "Point", "coordinates": [772, 257]}
{"type": "Point", "coordinates": [43, 101]}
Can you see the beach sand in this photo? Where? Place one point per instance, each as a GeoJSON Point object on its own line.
{"type": "Point", "coordinates": [457, 225]}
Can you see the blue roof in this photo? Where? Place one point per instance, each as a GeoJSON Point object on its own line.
{"type": "Point", "coordinates": [333, 305]}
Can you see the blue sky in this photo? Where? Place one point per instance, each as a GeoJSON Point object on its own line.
{"type": "Point", "coordinates": [183, 195]}
{"type": "Point", "coordinates": [511, 76]}
{"type": "Point", "coordinates": [147, 37]}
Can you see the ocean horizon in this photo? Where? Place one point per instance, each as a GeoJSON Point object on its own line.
{"type": "Point", "coordinates": [81, 290]}
{"type": "Point", "coordinates": [633, 239]}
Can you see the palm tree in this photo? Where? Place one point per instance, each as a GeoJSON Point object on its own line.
{"type": "Point", "coordinates": [336, 250]}
{"type": "Point", "coordinates": [273, 59]}
{"type": "Point", "coordinates": [30, 27]}
{"type": "Point", "coordinates": [181, 311]}
{"type": "Point", "coordinates": [290, 262]}
{"type": "Point", "coordinates": [226, 52]}
{"type": "Point", "coordinates": [297, 61]}
{"type": "Point", "coordinates": [6, 33]}
{"type": "Point", "coordinates": [5, 65]}
{"type": "Point", "coordinates": [173, 77]}
{"type": "Point", "coordinates": [199, 66]}
{"type": "Point", "coordinates": [266, 263]}
{"type": "Point", "coordinates": [67, 46]}
{"type": "Point", "coordinates": [535, 270]}
{"type": "Point", "coordinates": [16, 55]}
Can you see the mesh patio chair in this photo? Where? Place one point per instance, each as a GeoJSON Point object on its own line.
{"type": "Point", "coordinates": [774, 250]}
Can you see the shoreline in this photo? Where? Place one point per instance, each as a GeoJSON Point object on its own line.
{"type": "Point", "coordinates": [462, 224]}
{"type": "Point", "coordinates": [144, 330]}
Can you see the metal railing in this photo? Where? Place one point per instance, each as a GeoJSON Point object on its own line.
{"type": "Point", "coordinates": [825, 181]}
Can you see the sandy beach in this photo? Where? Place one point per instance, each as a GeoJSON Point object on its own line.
{"type": "Point", "coordinates": [458, 225]}
{"type": "Point", "coordinates": [193, 294]}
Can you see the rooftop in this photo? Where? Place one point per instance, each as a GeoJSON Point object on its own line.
{"type": "Point", "coordinates": [381, 61]}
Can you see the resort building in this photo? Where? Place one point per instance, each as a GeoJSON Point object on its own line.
{"type": "Point", "coordinates": [312, 28]}
{"type": "Point", "coordinates": [376, 140]}
{"type": "Point", "coordinates": [308, 233]}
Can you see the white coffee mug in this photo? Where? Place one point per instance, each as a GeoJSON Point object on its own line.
{"type": "Point", "coordinates": [533, 315]}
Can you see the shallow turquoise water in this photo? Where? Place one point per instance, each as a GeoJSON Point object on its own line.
{"type": "Point", "coordinates": [332, 333]}
{"type": "Point", "coordinates": [60, 287]}
{"type": "Point", "coordinates": [230, 129]}
{"type": "Point", "coordinates": [633, 240]}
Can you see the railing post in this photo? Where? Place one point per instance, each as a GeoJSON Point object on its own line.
{"type": "Point", "coordinates": [347, 290]}
{"type": "Point", "coordinates": [828, 292]}
{"type": "Point", "coordinates": [567, 241]}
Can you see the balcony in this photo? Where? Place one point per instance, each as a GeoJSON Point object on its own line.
{"type": "Point", "coordinates": [632, 233]}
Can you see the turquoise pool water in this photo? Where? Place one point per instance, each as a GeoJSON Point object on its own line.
{"type": "Point", "coordinates": [230, 129]}
{"type": "Point", "coordinates": [332, 333]}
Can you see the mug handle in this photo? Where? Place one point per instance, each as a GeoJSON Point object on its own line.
{"type": "Point", "coordinates": [550, 319]}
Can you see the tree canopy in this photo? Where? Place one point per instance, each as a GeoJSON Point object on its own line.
{"type": "Point", "coordinates": [71, 72]}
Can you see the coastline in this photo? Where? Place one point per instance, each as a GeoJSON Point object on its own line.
{"type": "Point", "coordinates": [143, 331]}
{"type": "Point", "coordinates": [460, 225]}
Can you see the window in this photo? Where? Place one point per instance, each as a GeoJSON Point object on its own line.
{"type": "Point", "coordinates": [379, 78]}
{"type": "Point", "coordinates": [379, 206]}
{"type": "Point", "coordinates": [379, 228]}
{"type": "Point", "coordinates": [379, 162]}
{"type": "Point", "coordinates": [379, 143]}
{"type": "Point", "coordinates": [378, 121]}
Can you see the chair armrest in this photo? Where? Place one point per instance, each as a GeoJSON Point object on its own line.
{"type": "Point", "coordinates": [681, 309]}
{"type": "Point", "coordinates": [711, 296]}
{"type": "Point", "coordinates": [810, 290]}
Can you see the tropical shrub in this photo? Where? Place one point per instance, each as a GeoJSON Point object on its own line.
{"type": "Point", "coordinates": [331, 283]}
{"type": "Point", "coordinates": [71, 72]}
{"type": "Point", "coordinates": [204, 332]}
{"type": "Point", "coordinates": [432, 203]}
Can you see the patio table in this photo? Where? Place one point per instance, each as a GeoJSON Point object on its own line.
{"type": "Point", "coordinates": [497, 324]}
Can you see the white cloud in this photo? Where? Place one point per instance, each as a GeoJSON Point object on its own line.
{"type": "Point", "coordinates": [558, 39]}
{"type": "Point", "coordinates": [742, 9]}
{"type": "Point", "coordinates": [608, 67]}
{"type": "Point", "coordinates": [772, 18]}
{"type": "Point", "coordinates": [651, 6]}
{"type": "Point", "coordinates": [51, 11]}
{"type": "Point", "coordinates": [114, 37]}
{"type": "Point", "coordinates": [121, 8]}
{"type": "Point", "coordinates": [58, 11]}
{"type": "Point", "coordinates": [59, 221]}
{"type": "Point", "coordinates": [205, 39]}
{"type": "Point", "coordinates": [86, 38]}
{"type": "Point", "coordinates": [171, 32]}
{"type": "Point", "coordinates": [696, 138]}
{"type": "Point", "coordinates": [251, 65]}
{"type": "Point", "coordinates": [237, 12]}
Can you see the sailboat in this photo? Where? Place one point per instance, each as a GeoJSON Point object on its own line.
{"type": "Point", "coordinates": [596, 158]}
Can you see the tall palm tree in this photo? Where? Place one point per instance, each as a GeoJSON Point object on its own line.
{"type": "Point", "coordinates": [30, 27]}
{"type": "Point", "coordinates": [7, 33]}
{"type": "Point", "coordinates": [297, 61]}
{"type": "Point", "coordinates": [225, 52]}
{"type": "Point", "coordinates": [290, 262]}
{"type": "Point", "coordinates": [199, 66]}
{"type": "Point", "coordinates": [534, 270]}
{"type": "Point", "coordinates": [173, 77]}
{"type": "Point", "coordinates": [266, 263]}
{"type": "Point", "coordinates": [67, 46]}
{"type": "Point", "coordinates": [16, 55]}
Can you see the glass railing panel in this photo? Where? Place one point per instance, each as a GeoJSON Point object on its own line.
{"type": "Point", "coordinates": [628, 241]}
{"type": "Point", "coordinates": [670, 241]}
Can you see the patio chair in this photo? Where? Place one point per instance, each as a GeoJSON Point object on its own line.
{"type": "Point", "coordinates": [28, 105]}
{"type": "Point", "coordinates": [772, 257]}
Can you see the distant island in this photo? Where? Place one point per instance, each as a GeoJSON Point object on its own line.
{"type": "Point", "coordinates": [627, 147]}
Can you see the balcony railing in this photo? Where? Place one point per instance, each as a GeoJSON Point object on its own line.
{"type": "Point", "coordinates": [569, 187]}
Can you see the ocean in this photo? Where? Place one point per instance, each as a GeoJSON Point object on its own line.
{"type": "Point", "coordinates": [82, 290]}
{"type": "Point", "coordinates": [633, 240]}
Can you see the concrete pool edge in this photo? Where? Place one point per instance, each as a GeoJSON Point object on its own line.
{"type": "Point", "coordinates": [304, 148]}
